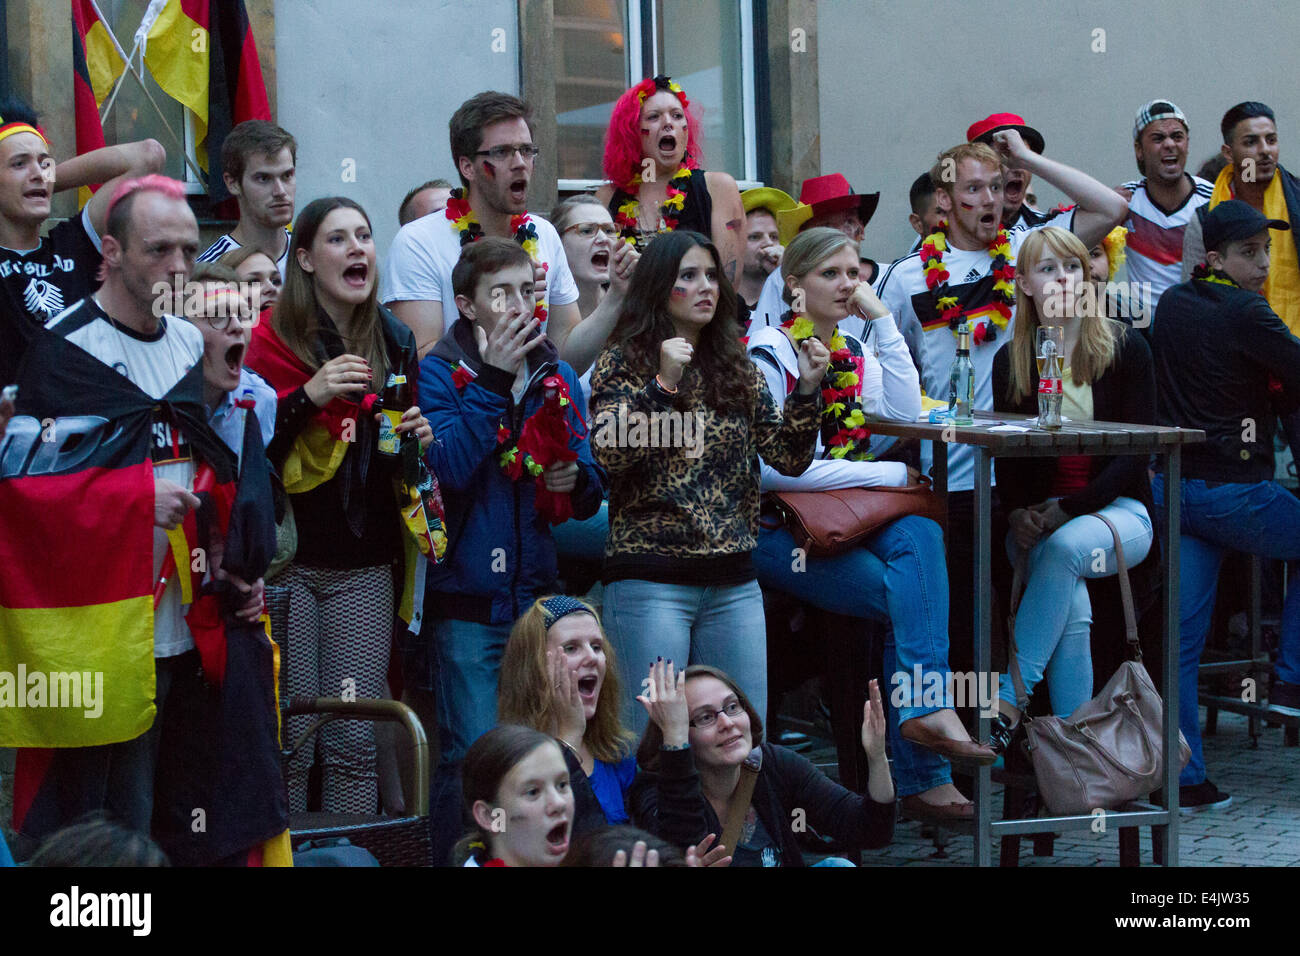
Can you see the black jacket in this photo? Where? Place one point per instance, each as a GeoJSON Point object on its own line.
{"type": "Point", "coordinates": [671, 804]}
{"type": "Point", "coordinates": [1216, 347]}
{"type": "Point", "coordinates": [1125, 392]}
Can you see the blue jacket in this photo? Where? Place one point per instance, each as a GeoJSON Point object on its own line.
{"type": "Point", "coordinates": [501, 555]}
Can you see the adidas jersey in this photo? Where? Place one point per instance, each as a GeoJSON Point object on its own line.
{"type": "Point", "coordinates": [227, 242]}
{"type": "Point", "coordinates": [1155, 235]}
{"type": "Point", "coordinates": [932, 342]}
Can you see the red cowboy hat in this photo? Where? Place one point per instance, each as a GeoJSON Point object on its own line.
{"type": "Point", "coordinates": [982, 132]}
{"type": "Point", "coordinates": [825, 194]}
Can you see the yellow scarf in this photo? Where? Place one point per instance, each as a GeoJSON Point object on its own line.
{"type": "Point", "coordinates": [1282, 289]}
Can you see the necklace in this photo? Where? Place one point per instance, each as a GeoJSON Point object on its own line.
{"type": "Point", "coordinates": [936, 280]}
{"type": "Point", "coordinates": [670, 212]}
{"type": "Point", "coordinates": [524, 230]}
{"type": "Point", "coordinates": [844, 430]}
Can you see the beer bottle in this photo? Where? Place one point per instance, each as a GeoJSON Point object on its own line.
{"type": "Point", "coordinates": [395, 399]}
{"type": "Point", "coordinates": [961, 384]}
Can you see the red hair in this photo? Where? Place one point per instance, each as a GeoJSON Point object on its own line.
{"type": "Point", "coordinates": [153, 183]}
{"type": "Point", "coordinates": [623, 136]}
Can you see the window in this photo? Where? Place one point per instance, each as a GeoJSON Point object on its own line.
{"type": "Point", "coordinates": [603, 46]}
{"type": "Point", "coordinates": [133, 117]}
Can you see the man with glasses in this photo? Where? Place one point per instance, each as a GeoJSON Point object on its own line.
{"type": "Point", "coordinates": [492, 147]}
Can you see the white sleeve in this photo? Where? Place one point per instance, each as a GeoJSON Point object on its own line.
{"type": "Point", "coordinates": [412, 273]}
{"type": "Point", "coordinates": [824, 474]}
{"type": "Point", "coordinates": [91, 234]}
{"type": "Point", "coordinates": [561, 288]}
{"type": "Point", "coordinates": [896, 389]}
{"type": "Point", "coordinates": [770, 305]}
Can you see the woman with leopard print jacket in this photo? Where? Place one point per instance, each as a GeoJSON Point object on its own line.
{"type": "Point", "coordinates": [680, 418]}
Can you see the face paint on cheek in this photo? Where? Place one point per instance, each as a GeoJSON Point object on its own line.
{"type": "Point", "coordinates": [966, 205]}
{"type": "Point", "coordinates": [489, 169]}
{"type": "Point", "coordinates": [645, 130]}
{"type": "Point", "coordinates": [679, 292]}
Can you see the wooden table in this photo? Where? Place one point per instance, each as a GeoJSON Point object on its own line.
{"type": "Point", "coordinates": [1076, 438]}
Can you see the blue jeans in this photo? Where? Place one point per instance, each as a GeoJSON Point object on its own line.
{"type": "Point", "coordinates": [1255, 518]}
{"type": "Point", "coordinates": [469, 664]}
{"type": "Point", "coordinates": [720, 626]}
{"type": "Point", "coordinates": [583, 539]}
{"type": "Point", "coordinates": [898, 576]}
{"type": "Point", "coordinates": [1054, 621]}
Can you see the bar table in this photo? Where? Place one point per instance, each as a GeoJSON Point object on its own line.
{"type": "Point", "coordinates": [1073, 438]}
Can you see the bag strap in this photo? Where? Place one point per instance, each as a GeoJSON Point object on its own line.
{"type": "Point", "coordinates": [1018, 590]}
{"type": "Point", "coordinates": [738, 805]}
{"type": "Point", "coordinates": [1125, 590]}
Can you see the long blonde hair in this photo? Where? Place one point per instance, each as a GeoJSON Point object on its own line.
{"type": "Point", "coordinates": [527, 697]}
{"type": "Point", "coordinates": [1095, 350]}
{"type": "Point", "coordinates": [296, 315]}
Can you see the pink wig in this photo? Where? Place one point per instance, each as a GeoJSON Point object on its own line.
{"type": "Point", "coordinates": [623, 137]}
{"type": "Point", "coordinates": [153, 183]}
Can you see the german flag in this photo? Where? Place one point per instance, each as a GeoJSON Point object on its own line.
{"type": "Point", "coordinates": [95, 65]}
{"type": "Point", "coordinates": [203, 54]}
{"type": "Point", "coordinates": [86, 605]}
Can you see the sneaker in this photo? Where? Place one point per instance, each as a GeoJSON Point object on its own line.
{"type": "Point", "coordinates": [1284, 698]}
{"type": "Point", "coordinates": [1202, 796]}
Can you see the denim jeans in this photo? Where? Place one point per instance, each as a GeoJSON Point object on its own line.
{"type": "Point", "coordinates": [897, 576]}
{"type": "Point", "coordinates": [583, 539]}
{"type": "Point", "coordinates": [1255, 518]}
{"type": "Point", "coordinates": [1054, 621]}
{"type": "Point", "coordinates": [469, 663]}
{"type": "Point", "coordinates": [689, 624]}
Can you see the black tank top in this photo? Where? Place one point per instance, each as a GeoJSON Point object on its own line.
{"type": "Point", "coordinates": [697, 212]}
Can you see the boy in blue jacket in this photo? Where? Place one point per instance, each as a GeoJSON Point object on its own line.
{"type": "Point", "coordinates": [480, 385]}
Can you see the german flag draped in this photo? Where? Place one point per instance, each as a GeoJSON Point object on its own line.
{"type": "Point", "coordinates": [203, 54]}
{"type": "Point", "coordinates": [87, 606]}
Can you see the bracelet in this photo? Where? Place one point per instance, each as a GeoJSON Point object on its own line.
{"type": "Point", "coordinates": [663, 387]}
{"type": "Point", "coordinates": [666, 746]}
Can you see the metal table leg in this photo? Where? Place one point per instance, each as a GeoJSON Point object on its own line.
{"type": "Point", "coordinates": [983, 645]}
{"type": "Point", "coordinates": [1170, 526]}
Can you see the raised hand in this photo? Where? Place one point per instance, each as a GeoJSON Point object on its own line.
{"type": "Point", "coordinates": [866, 303]}
{"type": "Point", "coordinates": [873, 725]}
{"type": "Point", "coordinates": [665, 701]}
{"type": "Point", "coordinates": [622, 263]}
{"type": "Point", "coordinates": [570, 719]}
{"type": "Point", "coordinates": [1009, 143]}
{"type": "Point", "coordinates": [814, 356]}
{"type": "Point", "coordinates": [702, 855]}
{"type": "Point", "coordinates": [339, 376]}
{"type": "Point", "coordinates": [674, 356]}
{"type": "Point", "coordinates": [639, 856]}
{"type": "Point", "coordinates": [508, 345]}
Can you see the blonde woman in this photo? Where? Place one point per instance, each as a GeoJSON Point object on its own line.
{"type": "Point", "coordinates": [1050, 501]}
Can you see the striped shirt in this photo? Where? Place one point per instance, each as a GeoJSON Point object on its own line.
{"type": "Point", "coordinates": [1155, 235]}
{"type": "Point", "coordinates": [227, 242]}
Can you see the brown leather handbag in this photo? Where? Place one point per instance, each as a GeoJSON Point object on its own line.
{"type": "Point", "coordinates": [826, 523]}
{"type": "Point", "coordinates": [1108, 751]}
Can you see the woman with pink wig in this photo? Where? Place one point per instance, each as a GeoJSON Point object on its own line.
{"type": "Point", "coordinates": [652, 161]}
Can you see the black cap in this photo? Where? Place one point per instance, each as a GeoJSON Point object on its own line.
{"type": "Point", "coordinates": [1233, 219]}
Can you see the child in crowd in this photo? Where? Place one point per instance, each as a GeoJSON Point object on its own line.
{"type": "Point", "coordinates": [499, 399]}
{"type": "Point", "coordinates": [516, 790]}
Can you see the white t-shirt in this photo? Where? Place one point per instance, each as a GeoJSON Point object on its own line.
{"type": "Point", "coordinates": [425, 251]}
{"type": "Point", "coordinates": [155, 364]}
{"type": "Point", "coordinates": [934, 345]}
{"type": "Point", "coordinates": [1155, 236]}
{"type": "Point", "coordinates": [227, 242]}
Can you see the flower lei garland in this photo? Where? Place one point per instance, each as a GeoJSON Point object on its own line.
{"type": "Point", "coordinates": [514, 464]}
{"type": "Point", "coordinates": [669, 213]}
{"type": "Point", "coordinates": [843, 399]}
{"type": "Point", "coordinates": [462, 219]}
{"type": "Point", "coordinates": [936, 280]}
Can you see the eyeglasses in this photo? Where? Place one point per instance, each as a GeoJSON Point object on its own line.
{"type": "Point", "coordinates": [221, 321]}
{"type": "Point", "coordinates": [731, 708]}
{"type": "Point", "coordinates": [502, 153]}
{"type": "Point", "coordinates": [588, 230]}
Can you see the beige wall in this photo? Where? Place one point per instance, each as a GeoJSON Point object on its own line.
{"type": "Point", "coordinates": [894, 90]}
